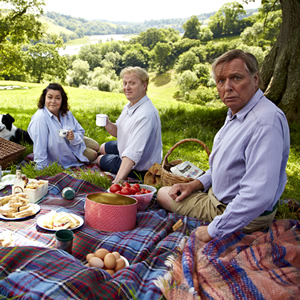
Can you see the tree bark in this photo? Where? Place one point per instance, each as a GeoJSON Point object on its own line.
{"type": "Point", "coordinates": [280, 71]}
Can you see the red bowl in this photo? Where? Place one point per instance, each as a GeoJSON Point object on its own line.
{"type": "Point", "coordinates": [110, 212]}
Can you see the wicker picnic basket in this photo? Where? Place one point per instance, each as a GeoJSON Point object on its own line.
{"type": "Point", "coordinates": [9, 152]}
{"type": "Point", "coordinates": [169, 178]}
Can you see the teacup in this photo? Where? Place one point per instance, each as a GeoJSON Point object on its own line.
{"type": "Point", "coordinates": [63, 132]}
{"type": "Point", "coordinates": [101, 119]}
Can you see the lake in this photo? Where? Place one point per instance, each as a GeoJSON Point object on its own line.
{"type": "Point", "coordinates": [74, 49]}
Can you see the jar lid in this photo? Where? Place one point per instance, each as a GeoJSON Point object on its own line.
{"type": "Point", "coordinates": [68, 193]}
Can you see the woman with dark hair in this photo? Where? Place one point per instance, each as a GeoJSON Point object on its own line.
{"type": "Point", "coordinates": [48, 146]}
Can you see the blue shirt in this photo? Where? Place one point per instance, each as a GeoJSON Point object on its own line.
{"type": "Point", "coordinates": [247, 164]}
{"type": "Point", "coordinates": [139, 134]}
{"type": "Point", "coordinates": [49, 147]}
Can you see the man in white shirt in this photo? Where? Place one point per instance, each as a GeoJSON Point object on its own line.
{"type": "Point", "coordinates": [138, 131]}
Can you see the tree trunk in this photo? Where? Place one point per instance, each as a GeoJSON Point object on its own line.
{"type": "Point", "coordinates": [280, 71]}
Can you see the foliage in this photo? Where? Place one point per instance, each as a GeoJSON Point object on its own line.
{"type": "Point", "coordinates": [19, 25]}
{"type": "Point", "coordinates": [135, 57]}
{"type": "Point", "coordinates": [192, 28]}
{"type": "Point", "coordinates": [151, 37]}
{"type": "Point", "coordinates": [92, 54]}
{"type": "Point", "coordinates": [264, 31]}
{"type": "Point", "coordinates": [187, 81]}
{"type": "Point", "coordinates": [20, 22]}
{"type": "Point", "coordinates": [161, 54]}
{"type": "Point", "coordinates": [227, 20]}
{"type": "Point", "coordinates": [104, 79]}
{"type": "Point", "coordinates": [186, 61]}
{"type": "Point", "coordinates": [43, 61]}
{"type": "Point", "coordinates": [79, 73]}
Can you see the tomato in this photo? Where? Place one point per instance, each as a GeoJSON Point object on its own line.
{"type": "Point", "coordinates": [136, 185]}
{"type": "Point", "coordinates": [126, 184]}
{"type": "Point", "coordinates": [115, 188]}
{"type": "Point", "coordinates": [134, 189]}
{"type": "Point", "coordinates": [147, 192]}
{"type": "Point", "coordinates": [125, 191]}
{"type": "Point", "coordinates": [143, 191]}
{"type": "Point", "coordinates": [138, 193]}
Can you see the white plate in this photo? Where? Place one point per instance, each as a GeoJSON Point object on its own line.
{"type": "Point", "coordinates": [8, 179]}
{"type": "Point", "coordinates": [40, 219]}
{"type": "Point", "coordinates": [36, 209]}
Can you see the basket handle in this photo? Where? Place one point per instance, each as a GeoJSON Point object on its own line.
{"type": "Point", "coordinates": [181, 142]}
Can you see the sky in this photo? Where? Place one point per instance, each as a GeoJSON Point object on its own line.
{"type": "Point", "coordinates": [137, 10]}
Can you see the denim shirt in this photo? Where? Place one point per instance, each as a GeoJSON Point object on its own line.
{"type": "Point", "coordinates": [49, 147]}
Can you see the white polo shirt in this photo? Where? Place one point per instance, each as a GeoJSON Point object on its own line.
{"type": "Point", "coordinates": [139, 134]}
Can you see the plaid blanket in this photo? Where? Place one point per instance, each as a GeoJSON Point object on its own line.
{"type": "Point", "coordinates": [263, 265]}
{"type": "Point", "coordinates": [34, 269]}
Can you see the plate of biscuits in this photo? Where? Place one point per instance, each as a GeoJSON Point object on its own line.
{"type": "Point", "coordinates": [17, 207]}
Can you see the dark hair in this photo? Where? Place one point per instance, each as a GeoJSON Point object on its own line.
{"type": "Point", "coordinates": [249, 59]}
{"type": "Point", "coordinates": [64, 108]}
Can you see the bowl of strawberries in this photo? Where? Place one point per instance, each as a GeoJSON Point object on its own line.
{"type": "Point", "coordinates": [141, 192]}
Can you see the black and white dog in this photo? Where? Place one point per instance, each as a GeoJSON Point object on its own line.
{"type": "Point", "coordinates": [10, 132]}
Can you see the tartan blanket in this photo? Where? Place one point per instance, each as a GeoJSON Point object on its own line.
{"type": "Point", "coordinates": [262, 265]}
{"type": "Point", "coordinates": [34, 269]}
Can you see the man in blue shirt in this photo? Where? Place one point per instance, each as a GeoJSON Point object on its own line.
{"type": "Point", "coordinates": [247, 164]}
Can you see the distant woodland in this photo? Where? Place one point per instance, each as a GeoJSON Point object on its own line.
{"type": "Point", "coordinates": [81, 27]}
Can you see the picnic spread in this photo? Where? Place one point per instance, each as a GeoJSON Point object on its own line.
{"type": "Point", "coordinates": [163, 254]}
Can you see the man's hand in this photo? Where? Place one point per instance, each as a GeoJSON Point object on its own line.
{"type": "Point", "coordinates": [125, 168]}
{"type": "Point", "coordinates": [179, 191]}
{"type": "Point", "coordinates": [202, 234]}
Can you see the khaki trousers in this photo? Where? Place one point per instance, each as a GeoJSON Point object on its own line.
{"type": "Point", "coordinates": [92, 148]}
{"type": "Point", "coordinates": [206, 206]}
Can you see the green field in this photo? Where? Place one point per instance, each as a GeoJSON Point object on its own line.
{"type": "Point", "coordinates": [179, 120]}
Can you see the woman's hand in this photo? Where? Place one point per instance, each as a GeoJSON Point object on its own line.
{"type": "Point", "coordinates": [70, 135]}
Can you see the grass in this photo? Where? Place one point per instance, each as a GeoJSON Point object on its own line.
{"type": "Point", "coordinates": [179, 121]}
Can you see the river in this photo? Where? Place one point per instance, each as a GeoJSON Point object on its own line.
{"type": "Point", "coordinates": [74, 49]}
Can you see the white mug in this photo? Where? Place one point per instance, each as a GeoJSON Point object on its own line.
{"type": "Point", "coordinates": [63, 132]}
{"type": "Point", "coordinates": [101, 120]}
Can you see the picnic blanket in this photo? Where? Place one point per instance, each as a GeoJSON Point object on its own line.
{"type": "Point", "coordinates": [262, 265]}
{"type": "Point", "coordinates": [36, 270]}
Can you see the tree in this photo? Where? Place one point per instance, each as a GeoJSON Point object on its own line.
{"type": "Point", "coordinates": [92, 54]}
{"type": "Point", "coordinates": [264, 31]}
{"type": "Point", "coordinates": [280, 71]}
{"type": "Point", "coordinates": [186, 61]}
{"type": "Point", "coordinates": [161, 52]}
{"type": "Point", "coordinates": [187, 81]}
{"type": "Point", "coordinates": [227, 20]}
{"type": "Point", "coordinates": [151, 37]}
{"type": "Point", "coordinates": [192, 28]}
{"type": "Point", "coordinates": [44, 61]}
{"type": "Point", "coordinates": [135, 57]}
{"type": "Point", "coordinates": [79, 73]}
{"type": "Point", "coordinates": [19, 24]}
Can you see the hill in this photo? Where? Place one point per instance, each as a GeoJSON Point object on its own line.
{"type": "Point", "coordinates": [81, 27]}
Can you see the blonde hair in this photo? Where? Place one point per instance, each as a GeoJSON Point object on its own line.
{"type": "Point", "coordinates": [138, 71]}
